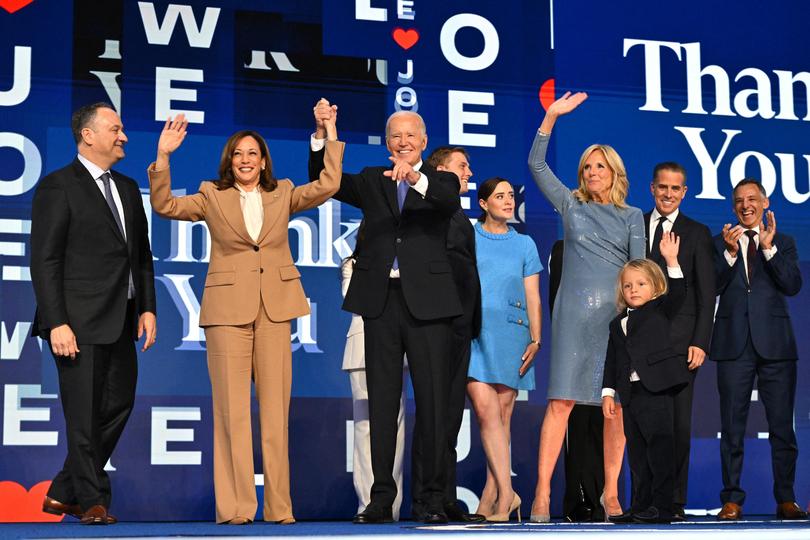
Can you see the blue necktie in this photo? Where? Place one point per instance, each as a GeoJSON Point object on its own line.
{"type": "Point", "coordinates": [402, 192]}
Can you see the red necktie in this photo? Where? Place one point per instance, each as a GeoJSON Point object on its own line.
{"type": "Point", "coordinates": [751, 253]}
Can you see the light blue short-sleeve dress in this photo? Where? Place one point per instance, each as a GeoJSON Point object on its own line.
{"type": "Point", "coordinates": [599, 239]}
{"type": "Point", "coordinates": [503, 261]}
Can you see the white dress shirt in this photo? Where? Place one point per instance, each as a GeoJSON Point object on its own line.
{"type": "Point", "coordinates": [252, 210]}
{"type": "Point", "coordinates": [769, 253]}
{"type": "Point", "coordinates": [97, 172]}
{"type": "Point", "coordinates": [669, 221]}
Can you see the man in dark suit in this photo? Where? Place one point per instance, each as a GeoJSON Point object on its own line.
{"type": "Point", "coordinates": [756, 268]}
{"type": "Point", "coordinates": [91, 267]}
{"type": "Point", "coordinates": [461, 253]}
{"type": "Point", "coordinates": [403, 287]}
{"type": "Point", "coordinates": [691, 328]}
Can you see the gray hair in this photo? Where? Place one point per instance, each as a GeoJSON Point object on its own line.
{"type": "Point", "coordinates": [422, 127]}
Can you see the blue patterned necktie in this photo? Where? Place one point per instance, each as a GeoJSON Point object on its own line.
{"type": "Point", "coordinates": [402, 192]}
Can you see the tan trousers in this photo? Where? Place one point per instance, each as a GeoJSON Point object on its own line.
{"type": "Point", "coordinates": [235, 353]}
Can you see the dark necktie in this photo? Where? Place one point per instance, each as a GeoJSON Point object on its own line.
{"type": "Point", "coordinates": [751, 253]}
{"type": "Point", "coordinates": [108, 196]}
{"type": "Point", "coordinates": [402, 192]}
{"type": "Point", "coordinates": [655, 249]}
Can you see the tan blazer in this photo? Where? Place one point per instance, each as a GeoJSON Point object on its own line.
{"type": "Point", "coordinates": [241, 271]}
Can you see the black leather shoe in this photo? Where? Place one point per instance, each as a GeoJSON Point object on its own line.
{"type": "Point", "coordinates": [434, 515]}
{"type": "Point", "coordinates": [679, 515]}
{"type": "Point", "coordinates": [624, 517]}
{"type": "Point", "coordinates": [374, 514]}
{"type": "Point", "coordinates": [455, 513]}
{"type": "Point", "coordinates": [581, 513]}
{"type": "Point", "coordinates": [434, 518]}
{"type": "Point", "coordinates": [418, 511]}
{"type": "Point", "coordinates": [652, 515]}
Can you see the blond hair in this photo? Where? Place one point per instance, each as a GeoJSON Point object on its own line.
{"type": "Point", "coordinates": [620, 184]}
{"type": "Point", "coordinates": [649, 269]}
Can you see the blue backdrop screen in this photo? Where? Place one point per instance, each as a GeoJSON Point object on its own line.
{"type": "Point", "coordinates": [691, 83]}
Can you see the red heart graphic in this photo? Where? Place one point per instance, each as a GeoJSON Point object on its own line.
{"type": "Point", "coordinates": [405, 38]}
{"type": "Point", "coordinates": [546, 94]}
{"type": "Point", "coordinates": [19, 505]}
{"type": "Point", "coordinates": [13, 5]}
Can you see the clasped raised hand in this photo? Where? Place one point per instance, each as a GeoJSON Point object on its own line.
{"type": "Point", "coordinates": [325, 115]}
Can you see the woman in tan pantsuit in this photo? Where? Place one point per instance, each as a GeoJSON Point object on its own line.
{"type": "Point", "coordinates": [252, 291]}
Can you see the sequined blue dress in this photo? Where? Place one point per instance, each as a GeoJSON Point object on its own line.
{"type": "Point", "coordinates": [599, 239]}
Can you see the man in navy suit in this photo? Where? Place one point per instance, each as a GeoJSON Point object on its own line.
{"type": "Point", "coordinates": [756, 268]}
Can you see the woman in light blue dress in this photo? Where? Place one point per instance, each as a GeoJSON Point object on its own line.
{"type": "Point", "coordinates": [601, 234]}
{"type": "Point", "coordinates": [503, 353]}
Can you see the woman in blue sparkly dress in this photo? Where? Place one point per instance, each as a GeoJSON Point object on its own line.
{"type": "Point", "coordinates": [601, 233]}
{"type": "Point", "coordinates": [503, 353]}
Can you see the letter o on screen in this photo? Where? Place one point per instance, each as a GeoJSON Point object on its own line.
{"type": "Point", "coordinates": [447, 39]}
{"type": "Point", "coordinates": [31, 170]}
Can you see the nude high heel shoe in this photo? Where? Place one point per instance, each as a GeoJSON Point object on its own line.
{"type": "Point", "coordinates": [540, 518]}
{"type": "Point", "coordinates": [504, 517]}
{"type": "Point", "coordinates": [608, 515]}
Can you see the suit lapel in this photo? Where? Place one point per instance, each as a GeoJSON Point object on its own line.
{"type": "Point", "coordinates": [228, 200]}
{"type": "Point", "coordinates": [127, 204]}
{"type": "Point", "coordinates": [270, 202]}
{"type": "Point", "coordinates": [647, 238]}
{"type": "Point", "coordinates": [390, 193]}
{"type": "Point", "coordinates": [94, 196]}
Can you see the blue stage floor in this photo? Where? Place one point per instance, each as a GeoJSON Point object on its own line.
{"type": "Point", "coordinates": [701, 528]}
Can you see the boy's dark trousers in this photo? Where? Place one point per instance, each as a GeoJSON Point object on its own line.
{"type": "Point", "coordinates": [648, 426]}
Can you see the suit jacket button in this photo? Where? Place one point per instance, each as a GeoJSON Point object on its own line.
{"type": "Point", "coordinates": [520, 321]}
{"type": "Point", "coordinates": [261, 270]}
{"type": "Point", "coordinates": [255, 248]}
{"type": "Point", "coordinates": [399, 240]}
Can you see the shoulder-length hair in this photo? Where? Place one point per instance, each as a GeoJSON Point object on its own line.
{"type": "Point", "coordinates": [620, 185]}
{"type": "Point", "coordinates": [226, 180]}
{"type": "Point", "coordinates": [648, 268]}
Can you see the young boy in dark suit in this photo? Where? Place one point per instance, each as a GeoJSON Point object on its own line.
{"type": "Point", "coordinates": [642, 365]}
